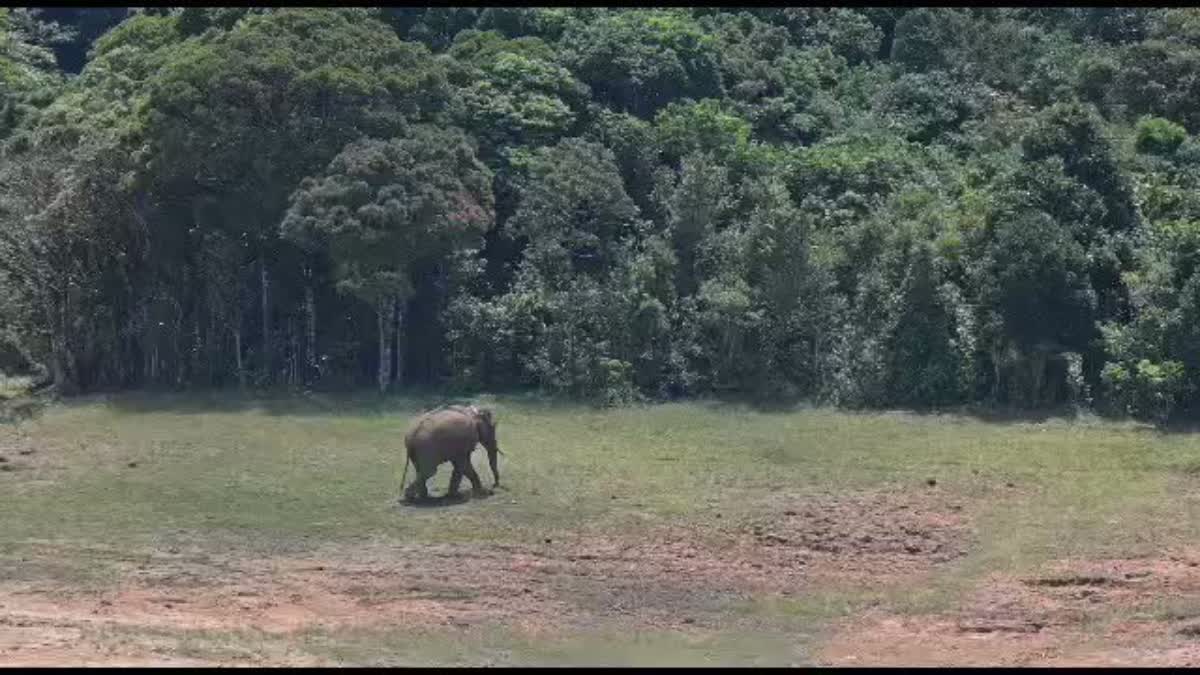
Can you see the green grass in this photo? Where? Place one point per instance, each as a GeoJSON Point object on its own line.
{"type": "Point", "coordinates": [13, 385]}
{"type": "Point", "coordinates": [222, 472]}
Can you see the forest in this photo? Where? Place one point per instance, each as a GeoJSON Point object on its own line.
{"type": "Point", "coordinates": [864, 208]}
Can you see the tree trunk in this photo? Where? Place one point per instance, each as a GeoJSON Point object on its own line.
{"type": "Point", "coordinates": [397, 360]}
{"type": "Point", "coordinates": [1039, 374]}
{"type": "Point", "coordinates": [194, 365]}
{"type": "Point", "coordinates": [212, 346]}
{"type": "Point", "coordinates": [574, 378]}
{"type": "Point", "coordinates": [178, 343]}
{"type": "Point", "coordinates": [294, 357]}
{"type": "Point", "coordinates": [237, 348]}
{"type": "Point", "coordinates": [146, 342]}
{"type": "Point", "coordinates": [266, 321]}
{"type": "Point", "coordinates": [118, 367]}
{"type": "Point", "coordinates": [58, 366]}
{"type": "Point", "coordinates": [70, 382]}
{"type": "Point", "coordinates": [384, 360]}
{"type": "Point", "coordinates": [310, 342]}
{"type": "Point", "coordinates": [996, 372]}
{"type": "Point", "coordinates": [817, 367]}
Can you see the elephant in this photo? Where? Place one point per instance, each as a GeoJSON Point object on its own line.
{"type": "Point", "coordinates": [450, 434]}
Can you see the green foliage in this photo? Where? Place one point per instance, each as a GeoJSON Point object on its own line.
{"type": "Point", "coordinates": [927, 38]}
{"type": "Point", "coordinates": [29, 78]}
{"type": "Point", "coordinates": [106, 98]}
{"type": "Point", "coordinates": [1157, 78]}
{"type": "Point", "coordinates": [589, 296]}
{"type": "Point", "coordinates": [637, 61]}
{"type": "Point", "coordinates": [787, 92]}
{"type": "Point", "coordinates": [634, 144]}
{"type": "Point", "coordinates": [1158, 136]}
{"type": "Point", "coordinates": [381, 207]}
{"type": "Point", "coordinates": [891, 206]}
{"type": "Point", "coordinates": [849, 34]}
{"type": "Point", "coordinates": [1110, 24]}
{"type": "Point", "coordinates": [544, 22]}
{"type": "Point", "coordinates": [845, 178]}
{"type": "Point", "coordinates": [283, 92]}
{"type": "Point", "coordinates": [512, 92]}
{"type": "Point", "coordinates": [922, 326]}
{"type": "Point", "coordinates": [1037, 281]}
{"type": "Point", "coordinates": [1163, 333]}
{"type": "Point", "coordinates": [1075, 135]}
{"type": "Point", "coordinates": [436, 27]}
{"type": "Point", "coordinates": [696, 206]}
{"type": "Point", "coordinates": [1145, 389]}
{"type": "Point", "coordinates": [684, 128]}
{"type": "Point", "coordinates": [196, 20]}
{"type": "Point", "coordinates": [926, 106]}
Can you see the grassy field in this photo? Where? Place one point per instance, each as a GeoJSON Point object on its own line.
{"type": "Point", "coordinates": [97, 491]}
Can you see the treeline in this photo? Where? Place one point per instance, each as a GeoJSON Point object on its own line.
{"type": "Point", "coordinates": [863, 207]}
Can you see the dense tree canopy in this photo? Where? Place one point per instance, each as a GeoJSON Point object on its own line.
{"type": "Point", "coordinates": [868, 207]}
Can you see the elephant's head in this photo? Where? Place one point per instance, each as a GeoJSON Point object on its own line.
{"type": "Point", "coordinates": [485, 425]}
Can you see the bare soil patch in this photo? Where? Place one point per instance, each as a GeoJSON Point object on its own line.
{"type": "Point", "coordinates": [669, 578]}
{"type": "Point", "coordinates": [32, 641]}
{"type": "Point", "coordinates": [22, 452]}
{"type": "Point", "coordinates": [872, 538]}
{"type": "Point", "coordinates": [16, 456]}
{"type": "Point", "coordinates": [1109, 612]}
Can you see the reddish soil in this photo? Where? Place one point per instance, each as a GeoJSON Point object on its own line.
{"type": "Point", "coordinates": [1114, 612]}
{"type": "Point", "coordinates": [18, 454]}
{"type": "Point", "coordinates": [666, 579]}
{"type": "Point", "coordinates": [866, 538]}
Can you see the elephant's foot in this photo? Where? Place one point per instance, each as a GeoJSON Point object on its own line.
{"type": "Point", "coordinates": [413, 497]}
{"type": "Point", "coordinates": [481, 492]}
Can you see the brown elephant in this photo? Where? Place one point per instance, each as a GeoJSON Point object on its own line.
{"type": "Point", "coordinates": [450, 434]}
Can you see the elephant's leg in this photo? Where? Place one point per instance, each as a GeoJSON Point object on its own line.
{"type": "Point", "coordinates": [476, 484]}
{"type": "Point", "coordinates": [419, 486]}
{"type": "Point", "coordinates": [455, 478]}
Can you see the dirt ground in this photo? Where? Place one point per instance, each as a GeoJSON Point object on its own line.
{"type": "Point", "coordinates": [1076, 613]}
{"type": "Point", "coordinates": [671, 579]}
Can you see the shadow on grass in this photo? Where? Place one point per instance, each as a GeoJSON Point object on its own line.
{"type": "Point", "coordinates": [281, 403]}
{"type": "Point", "coordinates": [981, 413]}
{"type": "Point", "coordinates": [294, 403]}
{"type": "Point", "coordinates": [441, 501]}
{"type": "Point", "coordinates": [364, 402]}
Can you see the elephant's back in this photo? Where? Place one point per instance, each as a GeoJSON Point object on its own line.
{"type": "Point", "coordinates": [441, 427]}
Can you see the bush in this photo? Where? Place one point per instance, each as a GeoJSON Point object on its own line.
{"type": "Point", "coordinates": [1145, 389]}
{"type": "Point", "coordinates": [1158, 136]}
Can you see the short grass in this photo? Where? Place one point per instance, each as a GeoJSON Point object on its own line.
{"type": "Point", "coordinates": [12, 386]}
{"type": "Point", "coordinates": [224, 472]}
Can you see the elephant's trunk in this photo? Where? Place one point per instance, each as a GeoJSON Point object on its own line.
{"type": "Point", "coordinates": [492, 453]}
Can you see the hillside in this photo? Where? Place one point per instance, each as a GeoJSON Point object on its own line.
{"type": "Point", "coordinates": [860, 207]}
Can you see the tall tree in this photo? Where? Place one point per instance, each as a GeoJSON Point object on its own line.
{"type": "Point", "coordinates": [382, 208]}
{"type": "Point", "coordinates": [241, 116]}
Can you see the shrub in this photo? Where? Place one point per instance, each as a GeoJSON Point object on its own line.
{"type": "Point", "coordinates": [1145, 389]}
{"type": "Point", "coordinates": [1159, 136]}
